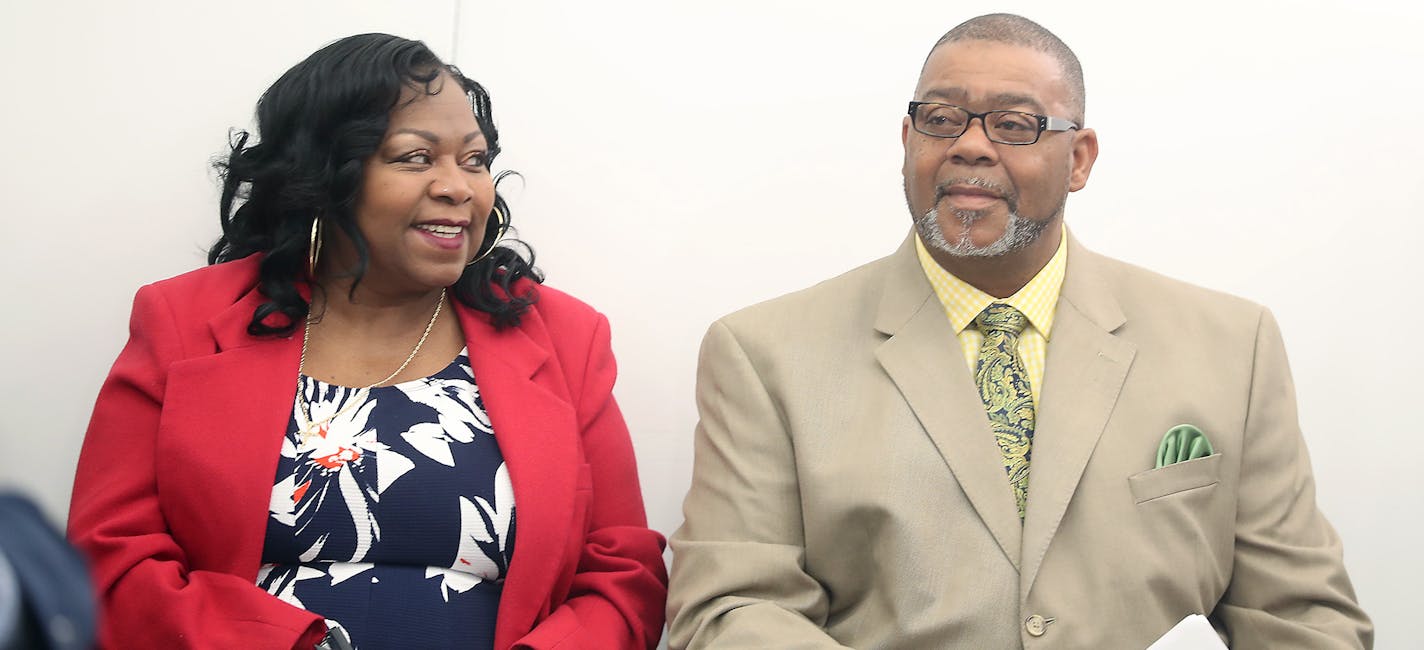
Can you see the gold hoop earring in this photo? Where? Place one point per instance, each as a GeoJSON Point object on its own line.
{"type": "Point", "coordinates": [502, 223]}
{"type": "Point", "coordinates": [314, 252]}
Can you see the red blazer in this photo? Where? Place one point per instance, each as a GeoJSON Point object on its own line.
{"type": "Point", "coordinates": [175, 477]}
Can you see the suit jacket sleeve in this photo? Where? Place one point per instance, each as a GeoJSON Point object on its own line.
{"type": "Point", "coordinates": [617, 594]}
{"type": "Point", "coordinates": [149, 596]}
{"type": "Point", "coordinates": [1288, 587]}
{"type": "Point", "coordinates": [739, 579]}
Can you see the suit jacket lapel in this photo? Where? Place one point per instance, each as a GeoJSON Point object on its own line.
{"type": "Point", "coordinates": [537, 430]}
{"type": "Point", "coordinates": [236, 405]}
{"type": "Point", "coordinates": [1083, 375]}
{"type": "Point", "coordinates": [225, 418]}
{"type": "Point", "coordinates": [922, 357]}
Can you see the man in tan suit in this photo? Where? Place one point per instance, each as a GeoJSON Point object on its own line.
{"type": "Point", "coordinates": [876, 469]}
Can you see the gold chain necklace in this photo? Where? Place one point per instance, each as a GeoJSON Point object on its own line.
{"type": "Point", "coordinates": [310, 428]}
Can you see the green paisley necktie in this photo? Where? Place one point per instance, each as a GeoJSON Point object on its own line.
{"type": "Point", "coordinates": [1003, 385]}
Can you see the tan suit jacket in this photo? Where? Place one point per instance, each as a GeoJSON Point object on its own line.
{"type": "Point", "coordinates": [847, 491]}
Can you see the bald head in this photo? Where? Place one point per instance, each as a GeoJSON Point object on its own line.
{"type": "Point", "coordinates": [1017, 30]}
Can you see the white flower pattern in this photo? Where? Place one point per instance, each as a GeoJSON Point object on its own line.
{"type": "Point", "coordinates": [358, 508]}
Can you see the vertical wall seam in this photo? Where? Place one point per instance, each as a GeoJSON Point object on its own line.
{"type": "Point", "coordinates": [455, 33]}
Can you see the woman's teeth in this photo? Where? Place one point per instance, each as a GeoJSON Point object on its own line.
{"type": "Point", "coordinates": [447, 232]}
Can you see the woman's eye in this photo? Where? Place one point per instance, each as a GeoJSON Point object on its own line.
{"type": "Point", "coordinates": [416, 157]}
{"type": "Point", "coordinates": [478, 160]}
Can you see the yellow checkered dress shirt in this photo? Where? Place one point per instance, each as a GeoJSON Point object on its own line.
{"type": "Point", "coordinates": [1037, 300]}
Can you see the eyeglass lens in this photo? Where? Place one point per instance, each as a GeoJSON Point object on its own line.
{"type": "Point", "coordinates": [1010, 127]}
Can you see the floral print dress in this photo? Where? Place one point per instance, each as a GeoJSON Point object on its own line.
{"type": "Point", "coordinates": [394, 521]}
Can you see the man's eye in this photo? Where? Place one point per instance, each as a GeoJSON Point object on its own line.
{"type": "Point", "coordinates": [1014, 123]}
{"type": "Point", "coordinates": [944, 119]}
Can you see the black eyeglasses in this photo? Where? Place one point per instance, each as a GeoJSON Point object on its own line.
{"type": "Point", "coordinates": [1005, 127]}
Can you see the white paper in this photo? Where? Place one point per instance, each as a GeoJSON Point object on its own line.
{"type": "Point", "coordinates": [1191, 633]}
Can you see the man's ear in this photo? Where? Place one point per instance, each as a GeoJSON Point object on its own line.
{"type": "Point", "coordinates": [1085, 153]}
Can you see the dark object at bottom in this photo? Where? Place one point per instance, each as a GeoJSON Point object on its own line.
{"type": "Point", "coordinates": [46, 600]}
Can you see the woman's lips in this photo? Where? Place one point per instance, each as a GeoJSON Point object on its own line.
{"type": "Point", "coordinates": [444, 236]}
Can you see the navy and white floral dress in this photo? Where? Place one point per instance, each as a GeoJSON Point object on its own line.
{"type": "Point", "coordinates": [395, 521]}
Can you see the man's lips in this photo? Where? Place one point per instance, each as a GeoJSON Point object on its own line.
{"type": "Point", "coordinates": [969, 190]}
{"type": "Point", "coordinates": [969, 197]}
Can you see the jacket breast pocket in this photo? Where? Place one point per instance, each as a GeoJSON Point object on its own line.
{"type": "Point", "coordinates": [583, 499]}
{"type": "Point", "coordinates": [585, 477]}
{"type": "Point", "coordinates": [1195, 474]}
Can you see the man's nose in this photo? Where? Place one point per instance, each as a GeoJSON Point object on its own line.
{"type": "Point", "coordinates": [973, 147]}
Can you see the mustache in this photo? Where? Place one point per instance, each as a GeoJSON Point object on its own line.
{"type": "Point", "coordinates": [1008, 194]}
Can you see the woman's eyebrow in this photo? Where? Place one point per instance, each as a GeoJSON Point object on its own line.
{"type": "Point", "coordinates": [435, 139]}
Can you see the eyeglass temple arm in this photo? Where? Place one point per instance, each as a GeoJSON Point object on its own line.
{"type": "Point", "coordinates": [1058, 124]}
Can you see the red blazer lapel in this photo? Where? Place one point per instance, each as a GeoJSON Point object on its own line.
{"type": "Point", "coordinates": [222, 429]}
{"type": "Point", "coordinates": [227, 413]}
{"type": "Point", "coordinates": [526, 397]}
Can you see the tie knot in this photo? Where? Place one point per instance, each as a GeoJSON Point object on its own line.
{"type": "Point", "coordinates": [1000, 317]}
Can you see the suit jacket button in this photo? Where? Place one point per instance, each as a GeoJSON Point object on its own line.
{"type": "Point", "coordinates": [1036, 625]}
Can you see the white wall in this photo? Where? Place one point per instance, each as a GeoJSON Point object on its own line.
{"type": "Point", "coordinates": [682, 162]}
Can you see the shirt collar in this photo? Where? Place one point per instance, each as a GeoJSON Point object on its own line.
{"type": "Point", "coordinates": [1038, 300]}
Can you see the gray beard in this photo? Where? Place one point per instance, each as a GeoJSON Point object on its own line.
{"type": "Point", "coordinates": [1018, 234]}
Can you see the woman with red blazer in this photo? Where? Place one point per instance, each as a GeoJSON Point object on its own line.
{"type": "Point", "coordinates": [365, 425]}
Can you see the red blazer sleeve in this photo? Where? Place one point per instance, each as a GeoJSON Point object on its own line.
{"type": "Point", "coordinates": [618, 594]}
{"type": "Point", "coordinates": [149, 595]}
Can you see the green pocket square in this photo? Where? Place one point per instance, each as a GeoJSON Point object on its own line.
{"type": "Point", "coordinates": [1183, 442]}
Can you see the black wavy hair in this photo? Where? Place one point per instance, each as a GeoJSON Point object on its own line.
{"type": "Point", "coordinates": [316, 127]}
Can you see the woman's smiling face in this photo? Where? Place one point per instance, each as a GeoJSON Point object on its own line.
{"type": "Point", "coordinates": [427, 192]}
